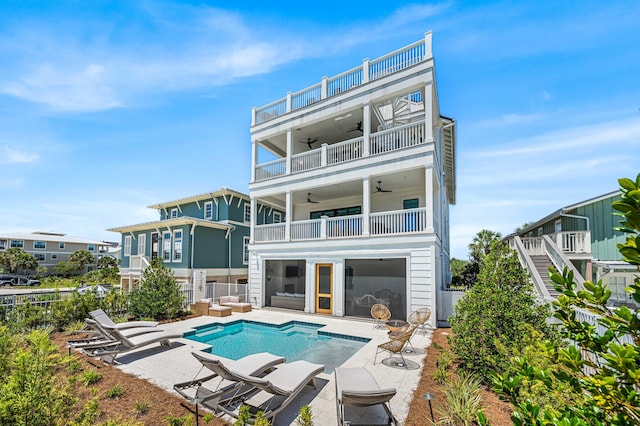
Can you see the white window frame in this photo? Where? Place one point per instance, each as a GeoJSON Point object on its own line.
{"type": "Point", "coordinates": [53, 256]}
{"type": "Point", "coordinates": [91, 247]}
{"type": "Point", "coordinates": [3, 244]}
{"type": "Point", "coordinates": [177, 245]}
{"type": "Point", "coordinates": [16, 244]}
{"type": "Point", "coordinates": [247, 213]}
{"type": "Point", "coordinates": [558, 225]}
{"type": "Point", "coordinates": [40, 257]}
{"type": "Point", "coordinates": [208, 210]}
{"type": "Point", "coordinates": [61, 245]}
{"type": "Point", "coordinates": [277, 217]}
{"type": "Point", "coordinates": [174, 213]}
{"type": "Point", "coordinates": [142, 244]}
{"type": "Point", "coordinates": [44, 243]}
{"type": "Point", "coordinates": [540, 231]}
{"type": "Point", "coordinates": [245, 250]}
{"type": "Point", "coordinates": [126, 250]}
{"type": "Point", "coordinates": [166, 246]}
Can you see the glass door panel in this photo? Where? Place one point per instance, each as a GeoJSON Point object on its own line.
{"type": "Point", "coordinates": [324, 288]}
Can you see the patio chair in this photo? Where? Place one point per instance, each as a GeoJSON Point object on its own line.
{"type": "Point", "coordinates": [200, 391]}
{"type": "Point", "coordinates": [122, 343]}
{"type": "Point", "coordinates": [420, 318]}
{"type": "Point", "coordinates": [103, 319]}
{"type": "Point", "coordinates": [396, 344]}
{"type": "Point", "coordinates": [99, 334]}
{"type": "Point", "coordinates": [274, 392]}
{"type": "Point", "coordinates": [357, 387]}
{"type": "Point", "coordinates": [380, 314]}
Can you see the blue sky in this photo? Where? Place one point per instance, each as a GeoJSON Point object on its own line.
{"type": "Point", "coordinates": [109, 107]}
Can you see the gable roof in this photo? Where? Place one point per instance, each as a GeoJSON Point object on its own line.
{"type": "Point", "coordinates": [161, 225]}
{"type": "Point", "coordinates": [222, 192]}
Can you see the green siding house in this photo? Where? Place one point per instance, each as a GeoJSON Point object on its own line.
{"type": "Point", "coordinates": [202, 238]}
{"type": "Point", "coordinates": [585, 233]}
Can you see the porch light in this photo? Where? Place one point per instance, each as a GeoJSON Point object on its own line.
{"type": "Point", "coordinates": [429, 396]}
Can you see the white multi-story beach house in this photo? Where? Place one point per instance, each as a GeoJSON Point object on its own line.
{"type": "Point", "coordinates": [357, 173]}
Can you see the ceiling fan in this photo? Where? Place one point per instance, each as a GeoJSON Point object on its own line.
{"type": "Point", "coordinates": [379, 188]}
{"type": "Point", "coordinates": [309, 142]}
{"type": "Point", "coordinates": [309, 200]}
{"type": "Point", "coordinates": [358, 127]}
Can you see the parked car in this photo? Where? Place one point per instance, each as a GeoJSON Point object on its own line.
{"type": "Point", "coordinates": [7, 280]}
{"type": "Point", "coordinates": [26, 281]}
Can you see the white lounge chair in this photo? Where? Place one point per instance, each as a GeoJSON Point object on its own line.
{"type": "Point", "coordinates": [275, 391]}
{"type": "Point", "coordinates": [223, 384]}
{"type": "Point", "coordinates": [103, 319]}
{"type": "Point", "coordinates": [123, 343]}
{"type": "Point", "coordinates": [358, 388]}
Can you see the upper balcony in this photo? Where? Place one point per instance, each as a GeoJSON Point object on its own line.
{"type": "Point", "coordinates": [369, 71]}
{"type": "Point", "coordinates": [570, 242]}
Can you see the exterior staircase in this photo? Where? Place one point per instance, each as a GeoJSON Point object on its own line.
{"type": "Point", "coordinates": [542, 264]}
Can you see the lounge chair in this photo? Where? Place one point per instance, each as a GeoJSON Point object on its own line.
{"type": "Point", "coordinates": [420, 317]}
{"type": "Point", "coordinates": [103, 319]}
{"type": "Point", "coordinates": [396, 344]}
{"type": "Point", "coordinates": [358, 388]}
{"type": "Point", "coordinates": [123, 343]}
{"type": "Point", "coordinates": [100, 334]}
{"type": "Point", "coordinates": [204, 391]}
{"type": "Point", "coordinates": [275, 391]}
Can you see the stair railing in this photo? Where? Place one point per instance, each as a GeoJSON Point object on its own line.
{"type": "Point", "coordinates": [528, 265]}
{"type": "Point", "coordinates": [560, 260]}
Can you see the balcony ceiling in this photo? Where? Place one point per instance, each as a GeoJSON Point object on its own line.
{"type": "Point", "coordinates": [407, 180]}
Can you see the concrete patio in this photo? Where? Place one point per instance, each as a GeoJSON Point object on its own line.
{"type": "Point", "coordinates": [166, 367]}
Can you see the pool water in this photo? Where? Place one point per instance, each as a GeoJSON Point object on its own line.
{"type": "Point", "coordinates": [293, 340]}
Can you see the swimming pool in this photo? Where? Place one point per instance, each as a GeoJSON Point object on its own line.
{"type": "Point", "coordinates": [293, 340]}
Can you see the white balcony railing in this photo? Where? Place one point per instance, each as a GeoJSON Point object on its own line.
{"type": "Point", "coordinates": [382, 142]}
{"type": "Point", "coordinates": [573, 241]}
{"type": "Point", "coordinates": [383, 223]}
{"type": "Point", "coordinates": [370, 70]}
{"type": "Point", "coordinates": [271, 232]}
{"type": "Point", "coordinates": [138, 263]}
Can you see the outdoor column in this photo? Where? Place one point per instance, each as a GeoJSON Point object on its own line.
{"type": "Point", "coordinates": [289, 152]}
{"type": "Point", "coordinates": [253, 220]}
{"type": "Point", "coordinates": [430, 205]}
{"type": "Point", "coordinates": [254, 158]}
{"type": "Point", "coordinates": [287, 215]}
{"type": "Point", "coordinates": [428, 109]}
{"type": "Point", "coordinates": [366, 206]}
{"type": "Point", "coordinates": [366, 129]}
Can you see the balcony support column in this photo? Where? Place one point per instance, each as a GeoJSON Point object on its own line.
{"type": "Point", "coordinates": [289, 152]}
{"type": "Point", "coordinates": [365, 70]}
{"type": "Point", "coordinates": [430, 203]}
{"type": "Point", "coordinates": [366, 129]}
{"type": "Point", "coordinates": [254, 212]}
{"type": "Point", "coordinates": [254, 159]}
{"type": "Point", "coordinates": [366, 206]}
{"type": "Point", "coordinates": [287, 214]}
{"type": "Point", "coordinates": [428, 109]}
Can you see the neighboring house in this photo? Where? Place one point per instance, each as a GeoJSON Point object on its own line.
{"type": "Point", "coordinates": [203, 239]}
{"type": "Point", "coordinates": [363, 166]}
{"type": "Point", "coordinates": [584, 233]}
{"type": "Point", "coordinates": [50, 248]}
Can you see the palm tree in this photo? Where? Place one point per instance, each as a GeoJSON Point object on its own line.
{"type": "Point", "coordinates": [481, 244]}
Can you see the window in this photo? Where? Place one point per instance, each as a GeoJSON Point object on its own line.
{"type": "Point", "coordinates": [91, 247]}
{"type": "Point", "coordinates": [208, 210]}
{"type": "Point", "coordinates": [174, 213]}
{"type": "Point", "coordinates": [411, 203]}
{"type": "Point", "coordinates": [39, 245]}
{"type": "Point", "coordinates": [3, 244]}
{"type": "Point", "coordinates": [166, 246]}
{"type": "Point", "coordinates": [245, 251]}
{"type": "Point", "coordinates": [559, 225]}
{"type": "Point", "coordinates": [39, 257]}
{"type": "Point", "coordinates": [277, 217]}
{"type": "Point", "coordinates": [61, 245]}
{"type": "Point", "coordinates": [247, 213]}
{"type": "Point", "coordinates": [53, 256]}
{"type": "Point", "coordinates": [540, 232]}
{"type": "Point", "coordinates": [17, 244]}
{"type": "Point", "coordinates": [345, 211]}
{"type": "Point", "coordinates": [127, 245]}
{"type": "Point", "coordinates": [177, 245]}
{"type": "Point", "coordinates": [142, 242]}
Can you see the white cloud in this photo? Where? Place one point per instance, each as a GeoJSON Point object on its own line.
{"type": "Point", "coordinates": [13, 156]}
{"type": "Point", "coordinates": [514, 118]}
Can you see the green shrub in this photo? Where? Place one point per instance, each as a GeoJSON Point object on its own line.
{"type": "Point", "coordinates": [90, 377]}
{"type": "Point", "coordinates": [500, 309]}
{"type": "Point", "coordinates": [462, 401]}
{"type": "Point", "coordinates": [141, 407]}
{"type": "Point", "coordinates": [158, 296]}
{"type": "Point", "coordinates": [305, 417]}
{"type": "Point", "coordinates": [115, 392]}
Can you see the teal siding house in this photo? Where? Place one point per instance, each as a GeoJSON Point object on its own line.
{"type": "Point", "coordinates": [202, 238]}
{"type": "Point", "coordinates": [584, 232]}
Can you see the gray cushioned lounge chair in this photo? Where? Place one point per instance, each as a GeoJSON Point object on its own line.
{"type": "Point", "coordinates": [358, 388]}
{"type": "Point", "coordinates": [223, 384]}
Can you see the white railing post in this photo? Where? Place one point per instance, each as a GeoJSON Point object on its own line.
{"type": "Point", "coordinates": [287, 108]}
{"type": "Point", "coordinates": [323, 88]}
{"type": "Point", "coordinates": [323, 227]}
{"type": "Point", "coordinates": [289, 152]}
{"type": "Point", "coordinates": [287, 216]}
{"type": "Point", "coordinates": [323, 155]}
{"type": "Point", "coordinates": [366, 128]}
{"type": "Point", "coordinates": [253, 116]}
{"type": "Point", "coordinates": [366, 205]}
{"type": "Point", "coordinates": [365, 70]}
{"type": "Point", "coordinates": [427, 44]}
